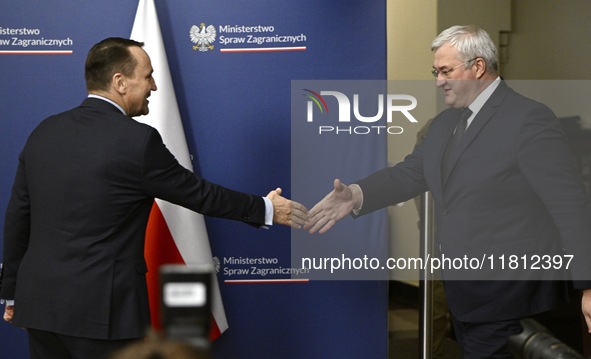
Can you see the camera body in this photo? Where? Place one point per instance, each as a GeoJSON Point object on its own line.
{"type": "Point", "coordinates": [186, 302]}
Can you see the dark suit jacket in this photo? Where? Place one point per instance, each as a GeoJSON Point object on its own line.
{"type": "Point", "coordinates": [514, 189]}
{"type": "Point", "coordinates": [75, 224]}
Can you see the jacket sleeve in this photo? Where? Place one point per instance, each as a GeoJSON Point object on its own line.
{"type": "Point", "coordinates": [163, 177]}
{"type": "Point", "coordinates": [395, 184]}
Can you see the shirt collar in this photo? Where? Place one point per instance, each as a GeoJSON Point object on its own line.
{"type": "Point", "coordinates": [91, 95]}
{"type": "Point", "coordinates": [479, 101]}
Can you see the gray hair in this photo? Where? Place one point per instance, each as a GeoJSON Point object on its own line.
{"type": "Point", "coordinates": [471, 42]}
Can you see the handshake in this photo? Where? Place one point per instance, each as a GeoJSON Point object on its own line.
{"type": "Point", "coordinates": [333, 207]}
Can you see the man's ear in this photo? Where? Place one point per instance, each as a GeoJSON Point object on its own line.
{"type": "Point", "coordinates": [119, 83]}
{"type": "Point", "coordinates": [480, 67]}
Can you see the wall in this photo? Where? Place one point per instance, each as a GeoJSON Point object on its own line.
{"type": "Point", "coordinates": [549, 40]}
{"type": "Point", "coordinates": [409, 59]}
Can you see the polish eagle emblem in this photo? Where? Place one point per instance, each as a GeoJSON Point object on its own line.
{"type": "Point", "coordinates": [202, 36]}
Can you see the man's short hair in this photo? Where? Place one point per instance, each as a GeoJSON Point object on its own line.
{"type": "Point", "coordinates": [107, 58]}
{"type": "Point", "coordinates": [471, 42]}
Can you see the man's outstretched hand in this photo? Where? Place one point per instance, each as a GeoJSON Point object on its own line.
{"type": "Point", "coordinates": [8, 313]}
{"type": "Point", "coordinates": [287, 212]}
{"type": "Point", "coordinates": [334, 206]}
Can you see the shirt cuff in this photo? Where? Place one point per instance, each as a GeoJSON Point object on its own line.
{"type": "Point", "coordinates": [269, 210]}
{"type": "Point", "coordinates": [355, 187]}
{"type": "Point", "coordinates": [8, 302]}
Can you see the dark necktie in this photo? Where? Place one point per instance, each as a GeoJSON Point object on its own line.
{"type": "Point", "coordinates": [452, 145]}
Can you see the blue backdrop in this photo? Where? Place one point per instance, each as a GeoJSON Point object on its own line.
{"type": "Point", "coordinates": [236, 113]}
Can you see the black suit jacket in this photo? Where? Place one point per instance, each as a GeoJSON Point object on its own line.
{"type": "Point", "coordinates": [75, 223]}
{"type": "Point", "coordinates": [514, 189]}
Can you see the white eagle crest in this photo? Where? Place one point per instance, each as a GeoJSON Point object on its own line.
{"type": "Point", "coordinates": [202, 37]}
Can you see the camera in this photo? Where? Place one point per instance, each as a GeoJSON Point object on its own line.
{"type": "Point", "coordinates": [186, 303]}
{"type": "Point", "coordinates": [536, 342]}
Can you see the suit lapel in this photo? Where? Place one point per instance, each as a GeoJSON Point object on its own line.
{"type": "Point", "coordinates": [485, 114]}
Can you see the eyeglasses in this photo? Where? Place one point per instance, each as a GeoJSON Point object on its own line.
{"type": "Point", "coordinates": [445, 73]}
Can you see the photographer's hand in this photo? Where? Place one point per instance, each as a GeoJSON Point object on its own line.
{"type": "Point", "coordinates": [586, 307]}
{"type": "Point", "coordinates": [8, 313]}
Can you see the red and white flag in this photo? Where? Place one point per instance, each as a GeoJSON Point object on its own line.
{"type": "Point", "coordinates": [174, 234]}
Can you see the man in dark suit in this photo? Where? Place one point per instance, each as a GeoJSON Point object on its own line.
{"type": "Point", "coordinates": [510, 186]}
{"type": "Point", "coordinates": [74, 271]}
